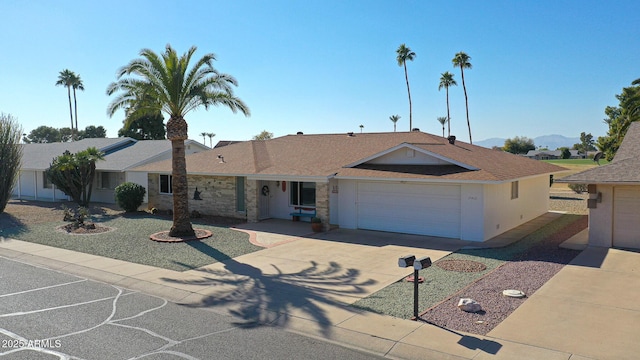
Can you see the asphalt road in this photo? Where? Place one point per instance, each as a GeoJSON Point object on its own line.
{"type": "Point", "coordinates": [46, 314]}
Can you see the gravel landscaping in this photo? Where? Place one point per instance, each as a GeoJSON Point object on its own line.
{"type": "Point", "coordinates": [526, 271]}
{"type": "Point", "coordinates": [129, 239]}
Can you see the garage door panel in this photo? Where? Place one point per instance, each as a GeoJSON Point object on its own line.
{"type": "Point", "coordinates": [410, 208]}
{"type": "Point", "coordinates": [626, 210]}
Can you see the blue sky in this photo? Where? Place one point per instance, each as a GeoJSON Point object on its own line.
{"type": "Point", "coordinates": [539, 67]}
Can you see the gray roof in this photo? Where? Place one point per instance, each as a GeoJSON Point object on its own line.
{"type": "Point", "coordinates": [40, 156]}
{"type": "Point", "coordinates": [623, 169]}
{"type": "Point", "coordinates": [557, 153]}
{"type": "Point", "coordinates": [137, 154]}
{"type": "Point", "coordinates": [120, 153]}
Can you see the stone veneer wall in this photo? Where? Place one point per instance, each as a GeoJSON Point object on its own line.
{"type": "Point", "coordinates": [322, 203]}
{"type": "Point", "coordinates": [251, 200]}
{"type": "Point", "coordinates": [218, 194]}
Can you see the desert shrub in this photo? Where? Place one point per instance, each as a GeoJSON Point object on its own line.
{"type": "Point", "coordinates": [129, 196]}
{"type": "Point", "coordinates": [578, 188]}
{"type": "Point", "coordinates": [10, 156]}
{"type": "Point", "coordinates": [75, 216]}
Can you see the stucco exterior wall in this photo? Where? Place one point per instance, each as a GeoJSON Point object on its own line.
{"type": "Point", "coordinates": [30, 186]}
{"type": "Point", "coordinates": [503, 213]}
{"type": "Point", "coordinates": [471, 212]}
{"type": "Point", "coordinates": [348, 193]}
{"type": "Point", "coordinates": [601, 219]}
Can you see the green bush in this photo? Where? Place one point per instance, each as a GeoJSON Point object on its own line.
{"type": "Point", "coordinates": [578, 188]}
{"type": "Point", "coordinates": [129, 196]}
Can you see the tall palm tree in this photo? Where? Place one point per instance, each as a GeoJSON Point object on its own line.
{"type": "Point", "coordinates": [394, 119]}
{"type": "Point", "coordinates": [361, 127]}
{"type": "Point", "coordinates": [461, 60]}
{"type": "Point", "coordinates": [403, 53]}
{"type": "Point", "coordinates": [443, 120]}
{"type": "Point", "coordinates": [446, 80]}
{"type": "Point", "coordinates": [76, 83]}
{"type": "Point", "coordinates": [176, 90]}
{"type": "Point", "coordinates": [204, 135]}
{"type": "Point", "coordinates": [66, 79]}
{"type": "Point", "coordinates": [211, 135]}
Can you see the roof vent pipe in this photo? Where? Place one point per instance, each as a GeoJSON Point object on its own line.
{"type": "Point", "coordinates": [299, 133]}
{"type": "Point", "coordinates": [452, 140]}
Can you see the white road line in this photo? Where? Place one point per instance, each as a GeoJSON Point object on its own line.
{"type": "Point", "coordinates": [42, 288]}
{"type": "Point", "coordinates": [113, 312]}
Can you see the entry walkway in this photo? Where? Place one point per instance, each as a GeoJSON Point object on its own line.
{"type": "Point", "coordinates": [307, 281]}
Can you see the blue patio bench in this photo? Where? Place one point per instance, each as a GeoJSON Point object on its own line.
{"type": "Point", "coordinates": [301, 212]}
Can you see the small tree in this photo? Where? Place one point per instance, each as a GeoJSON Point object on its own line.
{"type": "Point", "coordinates": [74, 173]}
{"type": "Point", "coordinates": [586, 144]}
{"type": "Point", "coordinates": [519, 145]}
{"type": "Point", "coordinates": [92, 132]}
{"type": "Point", "coordinates": [565, 153]}
{"type": "Point", "coordinates": [144, 127]}
{"type": "Point", "coordinates": [129, 196]}
{"type": "Point", "coordinates": [10, 156]}
{"type": "Point", "coordinates": [264, 135]}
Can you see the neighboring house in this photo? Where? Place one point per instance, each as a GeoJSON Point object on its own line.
{"type": "Point", "coordinates": [406, 182]}
{"type": "Point", "coordinates": [550, 155]}
{"type": "Point", "coordinates": [614, 195]}
{"type": "Point", "coordinates": [121, 154]}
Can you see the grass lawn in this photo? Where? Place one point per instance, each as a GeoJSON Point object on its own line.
{"type": "Point", "coordinates": [588, 163]}
{"type": "Point", "coordinates": [129, 241]}
{"type": "Point", "coordinates": [574, 166]}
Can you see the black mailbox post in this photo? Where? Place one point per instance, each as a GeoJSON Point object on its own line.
{"type": "Point", "coordinates": [419, 264]}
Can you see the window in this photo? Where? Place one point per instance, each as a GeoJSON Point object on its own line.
{"type": "Point", "coordinates": [303, 193]}
{"type": "Point", "coordinates": [514, 190]}
{"type": "Point", "coordinates": [240, 194]}
{"type": "Point", "coordinates": [108, 180]}
{"type": "Point", "coordinates": [166, 184]}
{"type": "Point", "coordinates": [45, 181]}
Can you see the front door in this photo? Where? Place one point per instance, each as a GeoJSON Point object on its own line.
{"type": "Point", "coordinates": [265, 194]}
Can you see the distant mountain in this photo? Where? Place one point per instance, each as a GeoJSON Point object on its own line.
{"type": "Point", "coordinates": [550, 142]}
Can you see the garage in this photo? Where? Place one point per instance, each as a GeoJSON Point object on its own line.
{"type": "Point", "coordinates": [410, 208]}
{"type": "Point", "coordinates": [626, 217]}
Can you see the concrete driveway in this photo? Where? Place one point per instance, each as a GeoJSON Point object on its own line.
{"type": "Point", "coordinates": [306, 275]}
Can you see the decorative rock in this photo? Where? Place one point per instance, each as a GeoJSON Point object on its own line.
{"type": "Point", "coordinates": [513, 293]}
{"type": "Point", "coordinates": [469, 305]}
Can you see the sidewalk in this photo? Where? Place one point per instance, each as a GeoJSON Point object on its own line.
{"type": "Point", "coordinates": [281, 286]}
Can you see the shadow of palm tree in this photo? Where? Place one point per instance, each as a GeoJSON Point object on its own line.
{"type": "Point", "coordinates": [8, 221]}
{"type": "Point", "coordinates": [260, 298]}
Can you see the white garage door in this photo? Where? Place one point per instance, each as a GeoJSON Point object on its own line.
{"type": "Point", "coordinates": [409, 208]}
{"type": "Point", "coordinates": [626, 217]}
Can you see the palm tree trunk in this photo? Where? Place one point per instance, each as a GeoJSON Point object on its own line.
{"type": "Point", "coordinates": [177, 133]}
{"type": "Point", "coordinates": [75, 105]}
{"type": "Point", "coordinates": [406, 77]}
{"type": "Point", "coordinates": [448, 115]}
{"type": "Point", "coordinates": [70, 110]}
{"type": "Point", "coordinates": [466, 103]}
